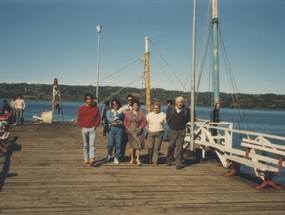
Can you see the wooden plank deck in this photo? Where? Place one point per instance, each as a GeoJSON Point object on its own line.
{"type": "Point", "coordinates": [45, 174]}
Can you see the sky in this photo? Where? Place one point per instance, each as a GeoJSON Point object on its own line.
{"type": "Point", "coordinates": [45, 39]}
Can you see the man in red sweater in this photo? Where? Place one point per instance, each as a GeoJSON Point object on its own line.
{"type": "Point", "coordinates": [88, 119]}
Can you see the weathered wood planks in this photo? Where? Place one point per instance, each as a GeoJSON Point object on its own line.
{"type": "Point", "coordinates": [47, 176]}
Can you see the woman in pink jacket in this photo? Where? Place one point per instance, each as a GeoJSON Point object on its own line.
{"type": "Point", "coordinates": [135, 122]}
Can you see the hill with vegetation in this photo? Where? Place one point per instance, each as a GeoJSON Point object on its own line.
{"type": "Point", "coordinates": [76, 93]}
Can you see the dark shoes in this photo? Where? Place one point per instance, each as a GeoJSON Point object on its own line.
{"type": "Point", "coordinates": [168, 163]}
{"type": "Point", "coordinates": [179, 167]}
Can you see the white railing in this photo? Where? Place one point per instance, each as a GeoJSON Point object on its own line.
{"type": "Point", "coordinates": [223, 142]}
{"type": "Point", "coordinates": [204, 138]}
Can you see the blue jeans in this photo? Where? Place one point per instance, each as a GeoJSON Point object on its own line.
{"type": "Point", "coordinates": [165, 136]}
{"type": "Point", "coordinates": [115, 139]}
{"type": "Point", "coordinates": [89, 137]}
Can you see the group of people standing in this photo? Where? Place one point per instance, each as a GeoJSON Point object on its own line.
{"type": "Point", "coordinates": [12, 113]}
{"type": "Point", "coordinates": [126, 124]}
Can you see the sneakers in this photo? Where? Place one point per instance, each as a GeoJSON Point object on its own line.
{"type": "Point", "coordinates": [116, 161]}
{"type": "Point", "coordinates": [86, 162]}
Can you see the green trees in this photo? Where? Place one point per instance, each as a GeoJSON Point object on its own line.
{"type": "Point", "coordinates": [76, 93]}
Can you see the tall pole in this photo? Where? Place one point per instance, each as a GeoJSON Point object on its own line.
{"type": "Point", "coordinates": [98, 28]}
{"type": "Point", "coordinates": [216, 82]}
{"type": "Point", "coordinates": [193, 77]}
{"type": "Point", "coordinates": [147, 76]}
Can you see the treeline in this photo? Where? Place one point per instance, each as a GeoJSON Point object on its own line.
{"type": "Point", "coordinates": [76, 93]}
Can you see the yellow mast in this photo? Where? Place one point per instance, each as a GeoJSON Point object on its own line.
{"type": "Point", "coordinates": [147, 76]}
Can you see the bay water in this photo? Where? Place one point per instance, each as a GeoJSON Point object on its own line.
{"type": "Point", "coordinates": [264, 121]}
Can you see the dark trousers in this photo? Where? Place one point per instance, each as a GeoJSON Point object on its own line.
{"type": "Point", "coordinates": [105, 128]}
{"type": "Point", "coordinates": [214, 131]}
{"type": "Point", "coordinates": [176, 140]}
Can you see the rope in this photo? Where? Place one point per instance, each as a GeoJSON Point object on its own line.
{"type": "Point", "coordinates": [231, 79]}
{"type": "Point", "coordinates": [119, 70]}
{"type": "Point", "coordinates": [205, 46]}
{"type": "Point", "coordinates": [169, 79]}
{"type": "Point", "coordinates": [163, 59]}
{"type": "Point", "coordinates": [116, 93]}
{"type": "Point", "coordinates": [230, 76]}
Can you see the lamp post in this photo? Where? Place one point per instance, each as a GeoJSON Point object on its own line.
{"type": "Point", "coordinates": [98, 28]}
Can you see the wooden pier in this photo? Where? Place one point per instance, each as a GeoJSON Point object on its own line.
{"type": "Point", "coordinates": [44, 174]}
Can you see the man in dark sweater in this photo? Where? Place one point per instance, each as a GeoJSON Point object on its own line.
{"type": "Point", "coordinates": [88, 120]}
{"type": "Point", "coordinates": [177, 116]}
{"type": "Point", "coordinates": [215, 117]}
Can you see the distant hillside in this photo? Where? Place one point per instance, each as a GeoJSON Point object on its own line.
{"type": "Point", "coordinates": [76, 93]}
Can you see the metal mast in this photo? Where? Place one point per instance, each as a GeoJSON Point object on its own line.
{"type": "Point", "coordinates": [147, 76]}
{"type": "Point", "coordinates": [193, 77]}
{"type": "Point", "coordinates": [216, 82]}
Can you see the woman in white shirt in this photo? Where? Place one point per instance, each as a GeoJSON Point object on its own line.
{"type": "Point", "coordinates": [155, 122]}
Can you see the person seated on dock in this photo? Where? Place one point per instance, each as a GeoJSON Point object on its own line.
{"type": "Point", "coordinates": [3, 147]}
{"type": "Point", "coordinates": [5, 120]}
{"type": "Point", "coordinates": [5, 106]}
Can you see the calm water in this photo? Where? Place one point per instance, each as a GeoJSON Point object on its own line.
{"type": "Point", "coordinates": [264, 121]}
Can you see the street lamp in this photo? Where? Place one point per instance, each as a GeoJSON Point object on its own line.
{"type": "Point", "coordinates": [98, 28]}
